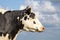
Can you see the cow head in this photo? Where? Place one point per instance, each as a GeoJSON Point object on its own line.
{"type": "Point", "coordinates": [30, 22]}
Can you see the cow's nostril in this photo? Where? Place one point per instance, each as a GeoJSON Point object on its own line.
{"type": "Point", "coordinates": [43, 28]}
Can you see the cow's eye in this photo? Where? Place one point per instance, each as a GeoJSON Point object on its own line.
{"type": "Point", "coordinates": [28, 18]}
{"type": "Point", "coordinates": [25, 17]}
{"type": "Point", "coordinates": [34, 22]}
{"type": "Point", "coordinates": [32, 15]}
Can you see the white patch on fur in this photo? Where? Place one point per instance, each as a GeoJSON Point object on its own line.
{"type": "Point", "coordinates": [4, 38]}
{"type": "Point", "coordinates": [30, 26]}
{"type": "Point", "coordinates": [18, 18]}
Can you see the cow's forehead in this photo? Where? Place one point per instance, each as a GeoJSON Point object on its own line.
{"type": "Point", "coordinates": [31, 14]}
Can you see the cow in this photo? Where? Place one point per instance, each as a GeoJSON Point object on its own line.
{"type": "Point", "coordinates": [12, 22]}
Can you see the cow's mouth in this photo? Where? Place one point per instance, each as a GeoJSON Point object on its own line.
{"type": "Point", "coordinates": [33, 30]}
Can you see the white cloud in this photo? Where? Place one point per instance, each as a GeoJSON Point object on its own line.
{"type": "Point", "coordinates": [39, 7]}
{"type": "Point", "coordinates": [47, 6]}
{"type": "Point", "coordinates": [51, 19]}
{"type": "Point", "coordinates": [22, 7]}
{"type": "Point", "coordinates": [3, 10]}
{"type": "Point", "coordinates": [44, 6]}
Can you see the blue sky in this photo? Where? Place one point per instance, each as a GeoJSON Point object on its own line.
{"type": "Point", "coordinates": [47, 11]}
{"type": "Point", "coordinates": [11, 4]}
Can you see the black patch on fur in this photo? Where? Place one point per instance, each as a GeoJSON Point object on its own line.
{"type": "Point", "coordinates": [4, 34]}
{"type": "Point", "coordinates": [32, 15]}
{"type": "Point", "coordinates": [9, 24]}
{"type": "Point", "coordinates": [7, 11]}
{"type": "Point", "coordinates": [0, 12]}
{"type": "Point", "coordinates": [14, 31]}
{"type": "Point", "coordinates": [0, 34]}
{"type": "Point", "coordinates": [25, 17]}
{"type": "Point", "coordinates": [28, 11]}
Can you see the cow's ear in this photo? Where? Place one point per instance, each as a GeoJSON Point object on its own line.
{"type": "Point", "coordinates": [28, 10]}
